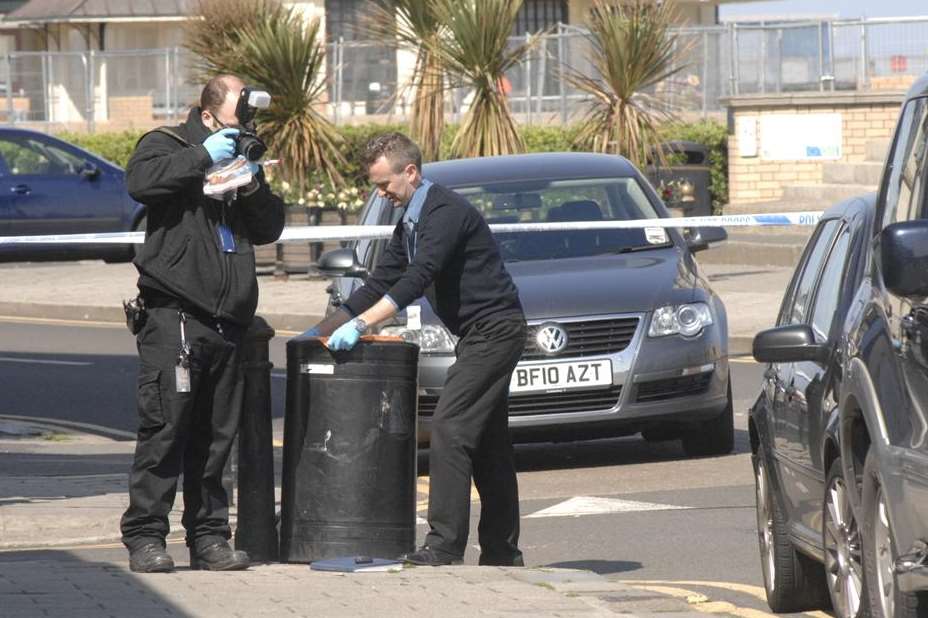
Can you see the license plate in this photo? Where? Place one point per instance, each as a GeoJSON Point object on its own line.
{"type": "Point", "coordinates": [549, 377]}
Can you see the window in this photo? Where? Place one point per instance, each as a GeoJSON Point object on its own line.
{"type": "Point", "coordinates": [905, 185]}
{"type": "Point", "coordinates": [535, 15]}
{"type": "Point", "coordinates": [25, 156]}
{"type": "Point", "coordinates": [829, 289]}
{"type": "Point", "coordinates": [367, 70]}
{"type": "Point", "coordinates": [798, 309]}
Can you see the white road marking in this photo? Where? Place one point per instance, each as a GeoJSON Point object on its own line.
{"type": "Point", "coordinates": [586, 505]}
{"type": "Point", "coordinates": [41, 361]}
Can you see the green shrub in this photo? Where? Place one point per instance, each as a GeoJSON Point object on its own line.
{"type": "Point", "coordinates": [118, 147]}
{"type": "Point", "coordinates": [114, 147]}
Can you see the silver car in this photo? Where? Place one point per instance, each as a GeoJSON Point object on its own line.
{"type": "Point", "coordinates": [626, 335]}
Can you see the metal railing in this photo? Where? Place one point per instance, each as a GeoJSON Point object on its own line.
{"type": "Point", "coordinates": [366, 80]}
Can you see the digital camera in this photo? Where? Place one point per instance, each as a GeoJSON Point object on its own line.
{"type": "Point", "coordinates": [248, 144]}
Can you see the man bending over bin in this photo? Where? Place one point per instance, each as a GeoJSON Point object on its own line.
{"type": "Point", "coordinates": [443, 249]}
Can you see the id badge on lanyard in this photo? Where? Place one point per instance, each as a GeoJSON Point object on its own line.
{"type": "Point", "coordinates": [226, 239]}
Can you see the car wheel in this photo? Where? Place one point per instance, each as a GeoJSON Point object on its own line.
{"type": "Point", "coordinates": [844, 569]}
{"type": "Point", "coordinates": [793, 582]}
{"type": "Point", "coordinates": [715, 436]}
{"type": "Point", "coordinates": [879, 553]}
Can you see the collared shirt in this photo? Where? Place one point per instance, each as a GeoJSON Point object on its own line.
{"type": "Point", "coordinates": [411, 216]}
{"type": "Point", "coordinates": [411, 222]}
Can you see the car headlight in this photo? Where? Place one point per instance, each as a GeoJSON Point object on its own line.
{"type": "Point", "coordinates": [687, 320]}
{"type": "Point", "coordinates": [431, 338]}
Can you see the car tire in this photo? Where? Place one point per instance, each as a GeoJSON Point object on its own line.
{"type": "Point", "coordinates": [844, 573]}
{"type": "Point", "coordinates": [879, 554]}
{"type": "Point", "coordinates": [715, 436]}
{"type": "Point", "coordinates": [793, 581]}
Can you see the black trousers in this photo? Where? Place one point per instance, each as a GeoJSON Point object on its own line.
{"type": "Point", "coordinates": [470, 438]}
{"type": "Point", "coordinates": [183, 432]}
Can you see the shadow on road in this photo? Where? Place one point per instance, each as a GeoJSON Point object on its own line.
{"type": "Point", "coordinates": [602, 567]}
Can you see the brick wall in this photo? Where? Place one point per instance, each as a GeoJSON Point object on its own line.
{"type": "Point", "coordinates": [129, 112]}
{"type": "Point", "coordinates": [864, 117]}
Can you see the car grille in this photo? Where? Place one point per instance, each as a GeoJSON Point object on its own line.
{"type": "Point", "coordinates": [659, 390]}
{"type": "Point", "coordinates": [545, 403]}
{"type": "Point", "coordinates": [587, 338]}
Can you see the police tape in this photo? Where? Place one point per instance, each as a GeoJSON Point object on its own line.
{"type": "Point", "coordinates": [374, 232]}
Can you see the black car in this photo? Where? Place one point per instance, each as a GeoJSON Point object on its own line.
{"type": "Point", "coordinates": [626, 335]}
{"type": "Point", "coordinates": [839, 432]}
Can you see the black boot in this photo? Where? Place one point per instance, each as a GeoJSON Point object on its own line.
{"type": "Point", "coordinates": [218, 556]}
{"type": "Point", "coordinates": [430, 556]}
{"type": "Point", "coordinates": [150, 558]}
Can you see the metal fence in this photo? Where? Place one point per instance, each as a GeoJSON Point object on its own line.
{"type": "Point", "coordinates": [827, 56]}
{"type": "Point", "coordinates": [367, 80]}
{"type": "Point", "coordinates": [82, 89]}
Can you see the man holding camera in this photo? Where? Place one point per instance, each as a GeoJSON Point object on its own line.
{"type": "Point", "coordinates": [197, 296]}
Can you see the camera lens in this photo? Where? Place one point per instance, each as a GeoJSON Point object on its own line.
{"type": "Point", "coordinates": [251, 147]}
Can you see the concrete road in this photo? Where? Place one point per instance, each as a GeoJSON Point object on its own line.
{"type": "Point", "coordinates": [625, 508]}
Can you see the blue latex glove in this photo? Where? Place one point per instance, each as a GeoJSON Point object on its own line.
{"type": "Point", "coordinates": [253, 168]}
{"type": "Point", "coordinates": [220, 144]}
{"type": "Point", "coordinates": [312, 332]}
{"type": "Point", "coordinates": [345, 336]}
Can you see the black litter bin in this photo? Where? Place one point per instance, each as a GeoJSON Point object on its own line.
{"type": "Point", "coordinates": [349, 461]}
{"type": "Point", "coordinates": [692, 169]}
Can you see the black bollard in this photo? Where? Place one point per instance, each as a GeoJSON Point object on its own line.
{"type": "Point", "coordinates": [256, 532]}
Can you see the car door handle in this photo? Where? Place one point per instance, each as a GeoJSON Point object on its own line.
{"type": "Point", "coordinates": [21, 189]}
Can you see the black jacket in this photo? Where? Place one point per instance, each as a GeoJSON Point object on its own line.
{"type": "Point", "coordinates": [457, 266]}
{"type": "Point", "coordinates": [181, 256]}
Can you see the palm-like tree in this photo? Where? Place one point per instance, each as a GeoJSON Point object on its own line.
{"type": "Point", "coordinates": [633, 52]}
{"type": "Point", "coordinates": [272, 47]}
{"type": "Point", "coordinates": [474, 48]}
{"type": "Point", "coordinates": [414, 25]}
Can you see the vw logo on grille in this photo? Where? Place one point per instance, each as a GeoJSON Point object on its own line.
{"type": "Point", "coordinates": [551, 338]}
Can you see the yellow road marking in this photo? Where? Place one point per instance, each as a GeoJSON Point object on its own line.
{"type": "Point", "coordinates": [747, 360]}
{"type": "Point", "coordinates": [62, 322]}
{"type": "Point", "coordinates": [754, 591]}
{"type": "Point", "coordinates": [701, 602]}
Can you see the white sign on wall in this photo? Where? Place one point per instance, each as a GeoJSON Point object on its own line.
{"type": "Point", "coordinates": [746, 131]}
{"type": "Point", "coordinates": [800, 137]}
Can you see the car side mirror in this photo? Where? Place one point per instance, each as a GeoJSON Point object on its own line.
{"type": "Point", "coordinates": [699, 238]}
{"type": "Point", "coordinates": [788, 344]}
{"type": "Point", "coordinates": [90, 171]}
{"type": "Point", "coordinates": [340, 263]}
{"type": "Point", "coordinates": [904, 258]}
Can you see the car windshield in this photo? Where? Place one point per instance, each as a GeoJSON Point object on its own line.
{"type": "Point", "coordinates": [612, 199]}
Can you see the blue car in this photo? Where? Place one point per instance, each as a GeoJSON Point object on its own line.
{"type": "Point", "coordinates": [48, 186]}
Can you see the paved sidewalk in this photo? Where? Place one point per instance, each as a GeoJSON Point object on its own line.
{"type": "Point", "coordinates": [53, 508]}
{"type": "Point", "coordinates": [78, 589]}
{"type": "Point", "coordinates": [94, 291]}
{"type": "Point", "coordinates": [61, 488]}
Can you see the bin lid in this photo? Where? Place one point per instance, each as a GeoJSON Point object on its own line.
{"type": "Point", "coordinates": [696, 153]}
